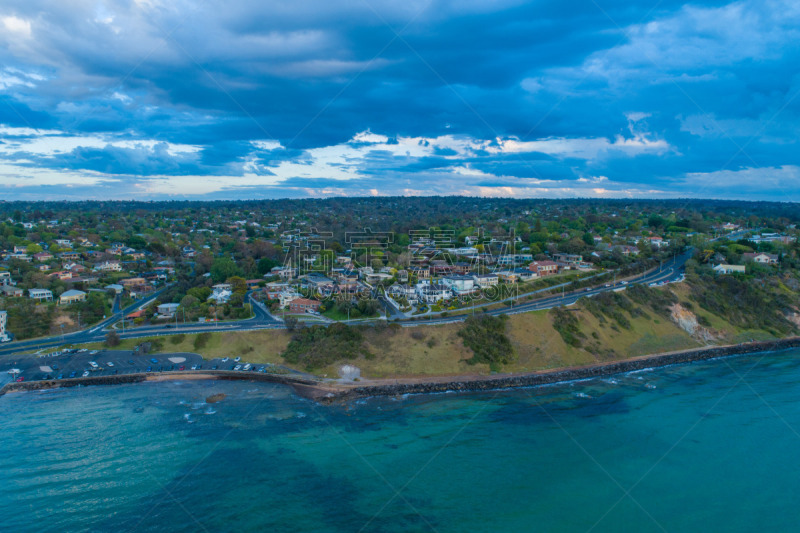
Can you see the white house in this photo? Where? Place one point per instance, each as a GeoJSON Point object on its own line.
{"type": "Point", "coordinates": [168, 309]}
{"type": "Point", "coordinates": [432, 293]}
{"type": "Point", "coordinates": [485, 281]}
{"type": "Point", "coordinates": [43, 295]}
{"type": "Point", "coordinates": [459, 284]}
{"type": "Point", "coordinates": [109, 266]}
{"type": "Point", "coordinates": [729, 269]}
{"type": "Point", "coordinates": [3, 320]}
{"type": "Point", "coordinates": [220, 296]}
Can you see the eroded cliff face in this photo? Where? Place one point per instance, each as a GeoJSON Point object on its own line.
{"type": "Point", "coordinates": [687, 321]}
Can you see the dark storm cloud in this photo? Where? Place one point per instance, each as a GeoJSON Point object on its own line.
{"type": "Point", "coordinates": [673, 89]}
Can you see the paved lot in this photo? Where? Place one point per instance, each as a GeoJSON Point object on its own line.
{"type": "Point", "coordinates": [75, 364]}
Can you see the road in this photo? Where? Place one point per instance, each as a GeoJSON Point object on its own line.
{"type": "Point", "coordinates": [262, 319]}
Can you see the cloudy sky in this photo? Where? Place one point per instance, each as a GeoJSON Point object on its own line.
{"type": "Point", "coordinates": [241, 99]}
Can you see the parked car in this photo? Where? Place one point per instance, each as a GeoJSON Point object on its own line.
{"type": "Point", "coordinates": [224, 359]}
{"type": "Point", "coordinates": [20, 379]}
{"type": "Point", "coordinates": [154, 361]}
{"type": "Point", "coordinates": [110, 364]}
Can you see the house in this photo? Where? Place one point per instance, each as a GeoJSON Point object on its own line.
{"type": "Point", "coordinates": [303, 305]}
{"type": "Point", "coordinates": [459, 284]}
{"type": "Point", "coordinates": [43, 256]}
{"type": "Point", "coordinates": [484, 281]}
{"type": "Point", "coordinates": [108, 266]}
{"type": "Point", "coordinates": [399, 291]}
{"type": "Point", "coordinates": [69, 256]}
{"type": "Point", "coordinates": [117, 288]}
{"type": "Point", "coordinates": [10, 291]}
{"type": "Point", "coordinates": [5, 278]}
{"type": "Point", "coordinates": [658, 242]}
{"type": "Point", "coordinates": [570, 259]}
{"type": "Point", "coordinates": [729, 269]}
{"type": "Point", "coordinates": [3, 320]}
{"type": "Point", "coordinates": [766, 259]}
{"type": "Point", "coordinates": [544, 268]}
{"type": "Point", "coordinates": [507, 276]}
{"type": "Point", "coordinates": [64, 243]}
{"type": "Point", "coordinates": [168, 309]}
{"type": "Point", "coordinates": [432, 293]}
{"type": "Point", "coordinates": [220, 295]}
{"type": "Point", "coordinates": [61, 274]}
{"type": "Point", "coordinates": [43, 295]}
{"type": "Point", "coordinates": [420, 272]}
{"type": "Point", "coordinates": [71, 296]}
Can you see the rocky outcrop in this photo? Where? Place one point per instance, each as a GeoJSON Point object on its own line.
{"type": "Point", "coordinates": [687, 321]}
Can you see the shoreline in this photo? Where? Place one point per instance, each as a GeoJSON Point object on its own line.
{"type": "Point", "coordinates": [335, 392]}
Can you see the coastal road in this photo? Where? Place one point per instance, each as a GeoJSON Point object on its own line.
{"type": "Point", "coordinates": [670, 271]}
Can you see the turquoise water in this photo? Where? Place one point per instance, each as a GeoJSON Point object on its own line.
{"type": "Point", "coordinates": [703, 447]}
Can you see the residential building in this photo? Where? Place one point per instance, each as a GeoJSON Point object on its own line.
{"type": "Point", "coordinates": [108, 266]}
{"type": "Point", "coordinates": [459, 284]}
{"type": "Point", "coordinates": [5, 278]}
{"type": "Point", "coordinates": [3, 321]}
{"type": "Point", "coordinates": [10, 291]}
{"type": "Point", "coordinates": [431, 293]}
{"type": "Point", "coordinates": [303, 305]}
{"type": "Point", "coordinates": [766, 259]}
{"type": "Point", "coordinates": [729, 269]}
{"type": "Point", "coordinates": [43, 256]}
{"type": "Point", "coordinates": [43, 295]}
{"type": "Point", "coordinates": [168, 309]}
{"type": "Point", "coordinates": [71, 296]}
{"type": "Point", "coordinates": [544, 268]}
{"type": "Point", "coordinates": [117, 288]}
{"type": "Point", "coordinates": [485, 281]}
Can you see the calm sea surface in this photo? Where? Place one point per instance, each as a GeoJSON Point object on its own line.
{"type": "Point", "coordinates": [713, 446]}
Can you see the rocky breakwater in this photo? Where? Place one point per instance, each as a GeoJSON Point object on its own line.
{"type": "Point", "coordinates": [568, 374]}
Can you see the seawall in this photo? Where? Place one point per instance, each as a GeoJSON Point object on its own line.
{"type": "Point", "coordinates": [545, 377]}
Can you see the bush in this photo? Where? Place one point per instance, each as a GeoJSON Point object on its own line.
{"type": "Point", "coordinates": [177, 339]}
{"type": "Point", "coordinates": [201, 340]}
{"type": "Point", "coordinates": [319, 346]}
{"type": "Point", "coordinates": [112, 339]}
{"type": "Point", "coordinates": [567, 325]}
{"type": "Point", "coordinates": [486, 336]}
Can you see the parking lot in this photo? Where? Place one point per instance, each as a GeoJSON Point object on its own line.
{"type": "Point", "coordinates": [83, 363]}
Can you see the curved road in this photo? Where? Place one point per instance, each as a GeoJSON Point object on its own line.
{"type": "Point", "coordinates": [670, 271]}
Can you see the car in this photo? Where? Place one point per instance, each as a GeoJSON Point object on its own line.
{"type": "Point", "coordinates": [224, 359]}
{"type": "Point", "coordinates": [94, 365]}
{"type": "Point", "coordinates": [160, 368]}
{"type": "Point", "coordinates": [167, 325]}
{"type": "Point", "coordinates": [237, 367]}
{"type": "Point", "coordinates": [110, 364]}
{"type": "Point", "coordinates": [237, 359]}
{"type": "Point", "coordinates": [60, 376]}
{"type": "Point", "coordinates": [587, 289]}
{"type": "Point", "coordinates": [54, 366]}
{"type": "Point", "coordinates": [114, 372]}
{"type": "Point", "coordinates": [20, 379]}
{"type": "Point", "coordinates": [194, 367]}
{"type": "Point", "coordinates": [214, 367]}
{"type": "Point", "coordinates": [72, 374]}
{"type": "Point", "coordinates": [83, 350]}
{"type": "Point", "coordinates": [93, 352]}
{"type": "Point", "coordinates": [154, 361]}
{"type": "Point", "coordinates": [149, 369]}
{"type": "Point", "coordinates": [130, 362]}
{"type": "Point", "coordinates": [85, 373]}
{"type": "Point", "coordinates": [182, 367]}
{"type": "Point", "coordinates": [248, 366]}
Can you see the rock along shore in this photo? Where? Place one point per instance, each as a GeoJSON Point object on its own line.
{"type": "Point", "coordinates": [329, 392]}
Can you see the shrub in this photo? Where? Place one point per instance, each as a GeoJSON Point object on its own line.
{"type": "Point", "coordinates": [486, 336]}
{"type": "Point", "coordinates": [177, 339]}
{"type": "Point", "coordinates": [201, 340]}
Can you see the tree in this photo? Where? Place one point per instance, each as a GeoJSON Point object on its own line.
{"type": "Point", "coordinates": [33, 249]}
{"type": "Point", "coordinates": [238, 284]}
{"type": "Point", "coordinates": [290, 322]}
{"type": "Point", "coordinates": [224, 268]}
{"type": "Point", "coordinates": [112, 339]}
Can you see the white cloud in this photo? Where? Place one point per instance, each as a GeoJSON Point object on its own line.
{"type": "Point", "coordinates": [18, 26]}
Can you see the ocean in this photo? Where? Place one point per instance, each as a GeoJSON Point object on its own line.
{"type": "Point", "coordinates": [711, 446]}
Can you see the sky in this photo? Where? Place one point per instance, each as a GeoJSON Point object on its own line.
{"type": "Point", "coordinates": [204, 99]}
